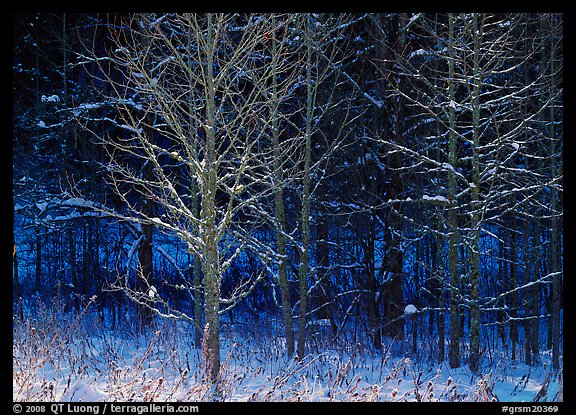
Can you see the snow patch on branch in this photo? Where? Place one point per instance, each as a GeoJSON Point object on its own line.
{"type": "Point", "coordinates": [441, 199]}
{"type": "Point", "coordinates": [410, 309]}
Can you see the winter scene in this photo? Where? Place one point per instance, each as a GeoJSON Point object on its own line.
{"type": "Point", "coordinates": [288, 207]}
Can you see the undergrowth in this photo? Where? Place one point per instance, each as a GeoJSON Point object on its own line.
{"type": "Point", "coordinates": [60, 357]}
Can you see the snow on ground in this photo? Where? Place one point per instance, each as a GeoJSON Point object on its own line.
{"type": "Point", "coordinates": [73, 360]}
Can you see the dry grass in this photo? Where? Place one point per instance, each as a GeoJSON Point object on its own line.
{"type": "Point", "coordinates": [60, 358]}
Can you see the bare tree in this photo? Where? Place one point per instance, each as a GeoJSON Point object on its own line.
{"type": "Point", "coordinates": [465, 87]}
{"type": "Point", "coordinates": [192, 106]}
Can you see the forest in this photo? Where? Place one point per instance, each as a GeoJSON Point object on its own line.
{"type": "Point", "coordinates": [287, 207]}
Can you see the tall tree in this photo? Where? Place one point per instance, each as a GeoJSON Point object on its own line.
{"type": "Point", "coordinates": [222, 73]}
{"type": "Point", "coordinates": [277, 177]}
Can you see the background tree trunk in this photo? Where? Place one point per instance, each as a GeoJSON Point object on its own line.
{"type": "Point", "coordinates": [277, 178]}
{"type": "Point", "coordinates": [453, 240]}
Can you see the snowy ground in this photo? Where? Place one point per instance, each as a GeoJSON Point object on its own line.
{"type": "Point", "coordinates": [66, 359]}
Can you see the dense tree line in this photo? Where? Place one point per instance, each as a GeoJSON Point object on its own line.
{"type": "Point", "coordinates": [315, 170]}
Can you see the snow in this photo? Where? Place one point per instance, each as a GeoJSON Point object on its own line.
{"type": "Point", "coordinates": [319, 323]}
{"type": "Point", "coordinates": [419, 52]}
{"type": "Point", "coordinates": [414, 18]}
{"type": "Point", "coordinates": [157, 221]}
{"type": "Point", "coordinates": [448, 166]}
{"type": "Point", "coordinates": [75, 201]}
{"type": "Point", "coordinates": [410, 309]}
{"type": "Point", "coordinates": [83, 107]}
{"type": "Point", "coordinates": [42, 206]}
{"type": "Point", "coordinates": [51, 98]}
{"type": "Point", "coordinates": [87, 363]}
{"type": "Point", "coordinates": [152, 293]}
{"type": "Point", "coordinates": [435, 198]}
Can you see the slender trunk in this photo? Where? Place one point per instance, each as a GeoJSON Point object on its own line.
{"type": "Point", "coordinates": [279, 210]}
{"type": "Point", "coordinates": [554, 232]}
{"type": "Point", "coordinates": [527, 260]}
{"type": "Point", "coordinates": [513, 296]}
{"type": "Point", "coordinates": [96, 271]}
{"type": "Point", "coordinates": [394, 188]}
{"type": "Point", "coordinates": [438, 276]}
{"type": "Point", "coordinates": [305, 214]}
{"type": "Point", "coordinates": [73, 270]}
{"type": "Point", "coordinates": [475, 225]}
{"type": "Point", "coordinates": [556, 281]}
{"type": "Point", "coordinates": [17, 285]}
{"type": "Point", "coordinates": [414, 318]}
{"type": "Point", "coordinates": [502, 272]}
{"type": "Point", "coordinates": [208, 231]}
{"type": "Point", "coordinates": [371, 285]}
{"type": "Point", "coordinates": [454, 352]}
{"type": "Point", "coordinates": [304, 264]}
{"type": "Point", "coordinates": [534, 294]}
{"type": "Point", "coordinates": [527, 307]}
{"type": "Point", "coordinates": [197, 281]}
{"type": "Point", "coordinates": [195, 206]}
{"type": "Point", "coordinates": [144, 279]}
{"type": "Point", "coordinates": [38, 262]}
{"type": "Point", "coordinates": [323, 261]}
{"type": "Point", "coordinates": [87, 265]}
{"type": "Point", "coordinates": [431, 284]}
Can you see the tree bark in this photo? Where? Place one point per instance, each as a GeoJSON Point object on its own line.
{"type": "Point", "coordinates": [279, 209]}
{"type": "Point", "coordinates": [17, 285]}
{"type": "Point", "coordinates": [208, 232]}
{"type": "Point", "coordinates": [144, 278]}
{"type": "Point", "coordinates": [373, 311]}
{"type": "Point", "coordinates": [475, 225]}
{"type": "Point", "coordinates": [323, 261]}
{"type": "Point", "coordinates": [554, 232]}
{"type": "Point", "coordinates": [305, 212]}
{"type": "Point", "coordinates": [454, 351]}
{"type": "Point", "coordinates": [38, 262]}
{"type": "Point", "coordinates": [394, 188]}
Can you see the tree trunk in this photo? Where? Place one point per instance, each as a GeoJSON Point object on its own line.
{"type": "Point", "coordinates": [305, 213]}
{"type": "Point", "coordinates": [279, 209]}
{"type": "Point", "coordinates": [196, 277]}
{"type": "Point", "coordinates": [454, 352]}
{"type": "Point", "coordinates": [73, 270]}
{"type": "Point", "coordinates": [475, 225]}
{"type": "Point", "coordinates": [373, 312]}
{"type": "Point", "coordinates": [208, 231]}
{"type": "Point", "coordinates": [534, 294]}
{"type": "Point", "coordinates": [394, 188]}
{"type": "Point", "coordinates": [528, 303]}
{"type": "Point", "coordinates": [554, 232]}
{"type": "Point", "coordinates": [197, 281]}
{"type": "Point", "coordinates": [38, 262]}
{"type": "Point", "coordinates": [438, 280]}
{"type": "Point", "coordinates": [323, 261]}
{"type": "Point", "coordinates": [144, 278]}
{"type": "Point", "coordinates": [513, 296]}
{"type": "Point", "coordinates": [17, 286]}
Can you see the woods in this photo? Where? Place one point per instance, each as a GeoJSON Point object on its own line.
{"type": "Point", "coordinates": [307, 175]}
